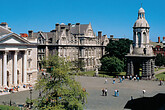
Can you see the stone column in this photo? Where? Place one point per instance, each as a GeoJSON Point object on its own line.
{"type": "Point", "coordinates": [149, 69]}
{"type": "Point", "coordinates": [25, 67]}
{"type": "Point", "coordinates": [152, 67]}
{"type": "Point", "coordinates": [131, 68]}
{"type": "Point", "coordinates": [15, 68]}
{"type": "Point", "coordinates": [128, 68]}
{"type": "Point", "coordinates": [5, 69]}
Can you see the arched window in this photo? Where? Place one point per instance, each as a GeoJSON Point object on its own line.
{"type": "Point", "coordinates": [139, 39]}
{"type": "Point", "coordinates": [144, 38]}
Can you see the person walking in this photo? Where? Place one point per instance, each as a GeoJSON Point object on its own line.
{"type": "Point", "coordinates": [144, 91]}
{"type": "Point", "coordinates": [103, 91]}
{"type": "Point", "coordinates": [106, 92]}
{"type": "Point", "coordinates": [120, 80]}
{"type": "Point", "coordinates": [117, 93]}
{"type": "Point", "coordinates": [114, 80]}
{"type": "Point", "coordinates": [106, 81]}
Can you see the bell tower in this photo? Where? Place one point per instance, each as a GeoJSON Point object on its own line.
{"type": "Point", "coordinates": [141, 58]}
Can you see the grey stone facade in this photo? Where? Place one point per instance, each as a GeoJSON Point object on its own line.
{"type": "Point", "coordinates": [141, 60]}
{"type": "Point", "coordinates": [73, 42]}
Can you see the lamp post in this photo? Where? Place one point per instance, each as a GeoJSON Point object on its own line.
{"type": "Point", "coordinates": [30, 98]}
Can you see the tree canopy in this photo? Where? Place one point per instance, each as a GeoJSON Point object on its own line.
{"type": "Point", "coordinates": [114, 59]}
{"type": "Point", "coordinates": [160, 60]}
{"type": "Point", "coordinates": [118, 48]}
{"type": "Point", "coordinates": [112, 64]}
{"type": "Point", "coordinates": [59, 90]}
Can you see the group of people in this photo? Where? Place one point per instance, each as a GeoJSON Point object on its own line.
{"type": "Point", "coordinates": [136, 77]}
{"type": "Point", "coordinates": [104, 92]}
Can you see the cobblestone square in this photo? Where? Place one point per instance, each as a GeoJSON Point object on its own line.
{"type": "Point", "coordinates": [95, 100]}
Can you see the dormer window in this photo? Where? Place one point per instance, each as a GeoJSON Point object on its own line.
{"type": "Point", "coordinates": [50, 40]}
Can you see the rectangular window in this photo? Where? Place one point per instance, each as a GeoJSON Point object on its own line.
{"type": "Point", "coordinates": [29, 52]}
{"type": "Point", "coordinates": [29, 64]}
{"type": "Point", "coordinates": [28, 77]}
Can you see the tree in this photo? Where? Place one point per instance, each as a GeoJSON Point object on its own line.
{"type": "Point", "coordinates": [78, 65]}
{"type": "Point", "coordinates": [59, 90]}
{"type": "Point", "coordinates": [118, 48]}
{"type": "Point", "coordinates": [160, 60]}
{"type": "Point", "coordinates": [112, 64]}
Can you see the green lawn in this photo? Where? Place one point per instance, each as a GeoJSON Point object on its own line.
{"type": "Point", "coordinates": [161, 76]}
{"type": "Point", "coordinates": [101, 74]}
{"type": "Point", "coordinates": [6, 107]}
{"type": "Point", "coordinates": [158, 69]}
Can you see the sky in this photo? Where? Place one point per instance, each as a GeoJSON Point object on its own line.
{"type": "Point", "coordinates": [112, 17]}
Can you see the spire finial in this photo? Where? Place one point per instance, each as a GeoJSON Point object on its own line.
{"type": "Point", "coordinates": [141, 5]}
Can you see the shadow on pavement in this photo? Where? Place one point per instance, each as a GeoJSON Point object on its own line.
{"type": "Point", "coordinates": [156, 102]}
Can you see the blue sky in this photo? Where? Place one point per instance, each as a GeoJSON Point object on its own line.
{"type": "Point", "coordinates": [113, 17]}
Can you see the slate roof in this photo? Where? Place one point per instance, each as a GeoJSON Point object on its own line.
{"type": "Point", "coordinates": [156, 43]}
{"type": "Point", "coordinates": [83, 28]}
{"type": "Point", "coordinates": [4, 31]}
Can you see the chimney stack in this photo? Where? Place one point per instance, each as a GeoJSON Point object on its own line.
{"type": "Point", "coordinates": [158, 39]}
{"type": "Point", "coordinates": [111, 36]}
{"type": "Point", "coordinates": [163, 38]}
{"type": "Point", "coordinates": [69, 26]}
{"type": "Point", "coordinates": [58, 27]}
{"type": "Point", "coordinates": [99, 34]}
{"type": "Point", "coordinates": [78, 26]}
{"type": "Point", "coordinates": [30, 32]}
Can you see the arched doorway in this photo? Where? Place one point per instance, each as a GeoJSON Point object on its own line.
{"type": "Point", "coordinates": [17, 76]}
{"type": "Point", "coordinates": [7, 78]}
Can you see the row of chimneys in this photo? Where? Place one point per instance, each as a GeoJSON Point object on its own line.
{"type": "Point", "coordinates": [30, 32]}
{"type": "Point", "coordinates": [159, 39]}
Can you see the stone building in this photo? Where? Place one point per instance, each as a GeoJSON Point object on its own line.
{"type": "Point", "coordinates": [18, 59]}
{"type": "Point", "coordinates": [141, 55]}
{"type": "Point", "coordinates": [72, 41]}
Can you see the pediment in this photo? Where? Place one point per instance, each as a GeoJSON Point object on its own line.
{"type": "Point", "coordinates": [13, 39]}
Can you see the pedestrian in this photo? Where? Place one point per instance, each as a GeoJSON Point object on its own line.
{"type": "Point", "coordinates": [120, 80]}
{"type": "Point", "coordinates": [117, 93]}
{"type": "Point", "coordinates": [144, 91]}
{"type": "Point", "coordinates": [161, 82]}
{"type": "Point", "coordinates": [131, 97]}
{"type": "Point", "coordinates": [103, 91]}
{"type": "Point", "coordinates": [130, 77]}
{"type": "Point", "coordinates": [106, 81]}
{"type": "Point", "coordinates": [123, 78]}
{"type": "Point", "coordinates": [138, 78]}
{"type": "Point", "coordinates": [114, 80]}
{"type": "Point", "coordinates": [106, 92]}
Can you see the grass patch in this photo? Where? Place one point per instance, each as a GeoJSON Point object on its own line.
{"type": "Point", "coordinates": [102, 74]}
{"type": "Point", "coordinates": [158, 69]}
{"type": "Point", "coordinates": [161, 76]}
{"type": "Point", "coordinates": [6, 107]}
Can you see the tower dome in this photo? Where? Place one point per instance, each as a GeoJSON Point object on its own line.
{"type": "Point", "coordinates": [141, 21]}
{"type": "Point", "coordinates": [141, 10]}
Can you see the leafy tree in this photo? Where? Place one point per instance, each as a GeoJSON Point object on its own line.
{"type": "Point", "coordinates": [112, 64]}
{"type": "Point", "coordinates": [59, 90]}
{"type": "Point", "coordinates": [160, 60]}
{"type": "Point", "coordinates": [78, 65]}
{"type": "Point", "coordinates": [118, 48]}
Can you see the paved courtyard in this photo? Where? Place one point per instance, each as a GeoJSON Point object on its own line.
{"type": "Point", "coordinates": [95, 100]}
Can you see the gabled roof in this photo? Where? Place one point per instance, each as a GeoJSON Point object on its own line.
{"type": "Point", "coordinates": [19, 38]}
